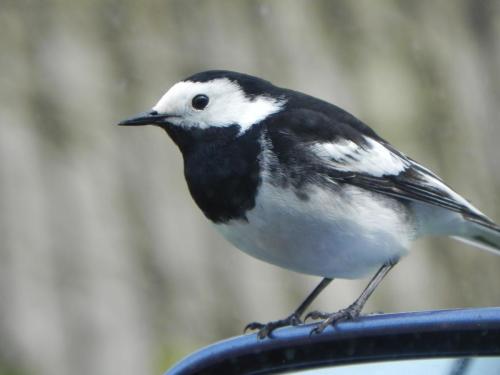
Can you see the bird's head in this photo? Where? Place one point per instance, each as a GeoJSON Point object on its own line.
{"type": "Point", "coordinates": [214, 99]}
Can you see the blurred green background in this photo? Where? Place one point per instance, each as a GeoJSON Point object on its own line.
{"type": "Point", "coordinates": [107, 266]}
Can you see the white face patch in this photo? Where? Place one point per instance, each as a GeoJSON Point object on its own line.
{"type": "Point", "coordinates": [227, 105]}
{"type": "Point", "coordinates": [375, 160]}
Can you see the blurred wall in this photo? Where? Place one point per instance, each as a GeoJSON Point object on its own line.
{"type": "Point", "coordinates": [107, 266]}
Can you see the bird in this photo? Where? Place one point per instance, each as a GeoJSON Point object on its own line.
{"type": "Point", "coordinates": [302, 184]}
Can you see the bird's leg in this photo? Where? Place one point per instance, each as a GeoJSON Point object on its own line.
{"type": "Point", "coordinates": [353, 311]}
{"type": "Point", "coordinates": [265, 330]}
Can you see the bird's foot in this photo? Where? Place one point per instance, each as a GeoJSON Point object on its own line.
{"type": "Point", "coordinates": [266, 330]}
{"type": "Point", "coordinates": [350, 313]}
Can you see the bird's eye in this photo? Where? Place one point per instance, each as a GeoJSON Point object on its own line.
{"type": "Point", "coordinates": [199, 101]}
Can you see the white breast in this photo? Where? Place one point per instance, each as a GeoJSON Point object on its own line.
{"type": "Point", "coordinates": [346, 233]}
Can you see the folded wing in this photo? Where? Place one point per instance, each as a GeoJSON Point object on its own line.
{"type": "Point", "coordinates": [376, 166]}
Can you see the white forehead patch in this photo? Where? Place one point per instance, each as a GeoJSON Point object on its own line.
{"type": "Point", "coordinates": [227, 105]}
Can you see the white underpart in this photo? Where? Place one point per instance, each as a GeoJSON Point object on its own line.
{"type": "Point", "coordinates": [373, 159]}
{"type": "Point", "coordinates": [345, 234]}
{"type": "Point", "coordinates": [227, 105]}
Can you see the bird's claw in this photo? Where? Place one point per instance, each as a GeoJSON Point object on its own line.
{"type": "Point", "coordinates": [350, 313]}
{"type": "Point", "coordinates": [253, 326]}
{"type": "Point", "coordinates": [266, 330]}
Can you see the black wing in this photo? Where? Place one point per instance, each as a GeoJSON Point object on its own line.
{"type": "Point", "coordinates": [347, 151]}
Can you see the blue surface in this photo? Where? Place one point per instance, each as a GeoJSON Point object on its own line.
{"type": "Point", "coordinates": [377, 327]}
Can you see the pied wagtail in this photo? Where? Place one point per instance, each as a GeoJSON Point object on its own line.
{"type": "Point", "coordinates": [302, 184]}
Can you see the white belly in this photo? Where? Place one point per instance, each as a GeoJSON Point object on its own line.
{"type": "Point", "coordinates": [344, 234]}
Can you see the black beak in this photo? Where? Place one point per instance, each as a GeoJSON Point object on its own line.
{"type": "Point", "coordinates": [145, 118]}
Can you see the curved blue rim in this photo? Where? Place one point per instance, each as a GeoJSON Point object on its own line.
{"type": "Point", "coordinates": [401, 335]}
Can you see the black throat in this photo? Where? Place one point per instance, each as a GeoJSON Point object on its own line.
{"type": "Point", "coordinates": [221, 169]}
